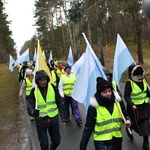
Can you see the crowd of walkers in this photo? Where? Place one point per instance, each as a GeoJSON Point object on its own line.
{"type": "Point", "coordinates": [106, 112]}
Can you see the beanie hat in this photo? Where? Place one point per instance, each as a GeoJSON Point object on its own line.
{"type": "Point", "coordinates": [67, 66]}
{"type": "Point", "coordinates": [102, 84]}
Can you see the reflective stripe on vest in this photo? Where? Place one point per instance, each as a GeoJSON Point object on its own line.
{"type": "Point", "coordinates": [68, 83]}
{"type": "Point", "coordinates": [28, 86]}
{"type": "Point", "coordinates": [137, 95]}
{"type": "Point", "coordinates": [107, 125]}
{"type": "Point", "coordinates": [48, 108]}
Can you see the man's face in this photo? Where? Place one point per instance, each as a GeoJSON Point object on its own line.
{"type": "Point", "coordinates": [42, 82]}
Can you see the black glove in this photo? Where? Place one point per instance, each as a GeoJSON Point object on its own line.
{"type": "Point", "coordinates": [36, 113]}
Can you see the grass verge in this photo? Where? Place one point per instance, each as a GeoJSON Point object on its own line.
{"type": "Point", "coordinates": [10, 114]}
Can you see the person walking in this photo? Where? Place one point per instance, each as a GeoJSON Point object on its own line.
{"type": "Point", "coordinates": [104, 119]}
{"type": "Point", "coordinates": [59, 69]}
{"type": "Point", "coordinates": [27, 86]}
{"type": "Point", "coordinates": [109, 76]}
{"type": "Point", "coordinates": [66, 84]}
{"type": "Point", "coordinates": [137, 95]}
{"type": "Point", "coordinates": [45, 104]}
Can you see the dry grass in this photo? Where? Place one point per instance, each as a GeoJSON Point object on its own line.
{"type": "Point", "coordinates": [10, 123]}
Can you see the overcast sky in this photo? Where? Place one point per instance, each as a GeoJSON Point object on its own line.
{"type": "Point", "coordinates": [20, 12]}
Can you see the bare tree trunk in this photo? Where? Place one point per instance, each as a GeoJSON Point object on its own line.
{"type": "Point", "coordinates": [51, 19]}
{"type": "Point", "coordinates": [69, 28]}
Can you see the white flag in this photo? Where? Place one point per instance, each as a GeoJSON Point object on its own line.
{"type": "Point", "coordinates": [11, 63]}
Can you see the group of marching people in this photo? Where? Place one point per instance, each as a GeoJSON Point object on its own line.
{"type": "Point", "coordinates": [105, 114]}
{"type": "Point", "coordinates": [45, 101]}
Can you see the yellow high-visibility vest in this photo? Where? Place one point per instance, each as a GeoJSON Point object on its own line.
{"type": "Point", "coordinates": [137, 95]}
{"type": "Point", "coordinates": [48, 107]}
{"type": "Point", "coordinates": [53, 77]}
{"type": "Point", "coordinates": [59, 73]}
{"type": "Point", "coordinates": [68, 83]}
{"type": "Point", "coordinates": [28, 86]}
{"type": "Point", "coordinates": [107, 125]}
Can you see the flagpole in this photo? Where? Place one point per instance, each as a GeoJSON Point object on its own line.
{"type": "Point", "coordinates": [122, 116]}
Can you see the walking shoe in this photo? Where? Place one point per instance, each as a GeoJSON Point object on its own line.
{"type": "Point", "coordinates": [145, 146]}
{"type": "Point", "coordinates": [130, 136]}
{"type": "Point", "coordinates": [79, 122]}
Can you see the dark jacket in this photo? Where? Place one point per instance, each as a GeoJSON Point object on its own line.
{"type": "Point", "coordinates": [46, 121]}
{"type": "Point", "coordinates": [91, 120]}
{"type": "Point", "coordinates": [143, 109]}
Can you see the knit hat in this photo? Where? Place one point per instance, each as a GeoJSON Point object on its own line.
{"type": "Point", "coordinates": [67, 66]}
{"type": "Point", "coordinates": [102, 84]}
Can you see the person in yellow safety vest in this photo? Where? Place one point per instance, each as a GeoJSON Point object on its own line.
{"type": "Point", "coordinates": [109, 76]}
{"type": "Point", "coordinates": [27, 86]}
{"type": "Point", "coordinates": [53, 74]}
{"type": "Point", "coordinates": [104, 119]}
{"type": "Point", "coordinates": [137, 95]}
{"type": "Point", "coordinates": [55, 63]}
{"type": "Point", "coordinates": [45, 104]}
{"type": "Point", "coordinates": [60, 69]}
{"type": "Point", "coordinates": [66, 84]}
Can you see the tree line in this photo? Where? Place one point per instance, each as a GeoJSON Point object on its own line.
{"type": "Point", "coordinates": [60, 24]}
{"type": "Point", "coordinates": [7, 44]}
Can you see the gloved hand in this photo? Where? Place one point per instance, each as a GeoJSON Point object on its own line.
{"type": "Point", "coordinates": [36, 113]}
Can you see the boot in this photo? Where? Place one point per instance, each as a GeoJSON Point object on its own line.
{"type": "Point", "coordinates": [145, 146]}
{"type": "Point", "coordinates": [145, 143]}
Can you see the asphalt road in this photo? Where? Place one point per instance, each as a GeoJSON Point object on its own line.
{"type": "Point", "coordinates": [71, 135]}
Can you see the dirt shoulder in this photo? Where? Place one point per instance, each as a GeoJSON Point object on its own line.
{"type": "Point", "coordinates": [13, 128]}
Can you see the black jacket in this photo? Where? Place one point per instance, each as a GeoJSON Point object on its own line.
{"type": "Point", "coordinates": [143, 109]}
{"type": "Point", "coordinates": [46, 121]}
{"type": "Point", "coordinates": [90, 124]}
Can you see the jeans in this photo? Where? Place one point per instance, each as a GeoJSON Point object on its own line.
{"type": "Point", "coordinates": [44, 139]}
{"type": "Point", "coordinates": [104, 146]}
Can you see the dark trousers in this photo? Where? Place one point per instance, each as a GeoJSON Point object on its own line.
{"type": "Point", "coordinates": [69, 101]}
{"type": "Point", "coordinates": [44, 139]}
{"type": "Point", "coordinates": [104, 146]}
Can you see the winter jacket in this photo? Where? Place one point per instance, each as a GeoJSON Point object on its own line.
{"type": "Point", "coordinates": [91, 120]}
{"type": "Point", "coordinates": [46, 121]}
{"type": "Point", "coordinates": [143, 109]}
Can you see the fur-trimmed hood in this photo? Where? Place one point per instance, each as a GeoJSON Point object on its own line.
{"type": "Point", "coordinates": [95, 104]}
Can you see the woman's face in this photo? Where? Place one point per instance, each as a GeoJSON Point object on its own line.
{"type": "Point", "coordinates": [68, 70]}
{"type": "Point", "coordinates": [107, 92]}
{"type": "Point", "coordinates": [42, 82]}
